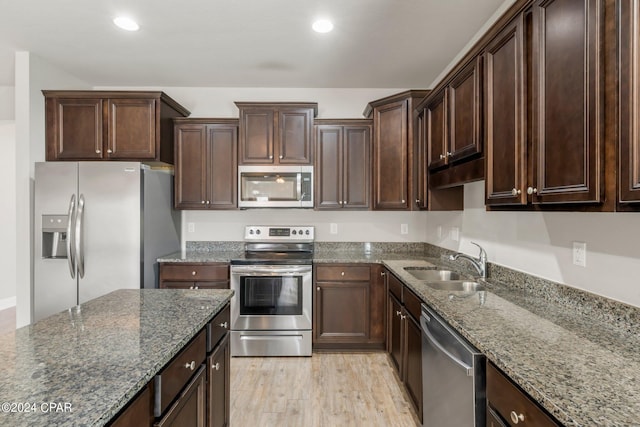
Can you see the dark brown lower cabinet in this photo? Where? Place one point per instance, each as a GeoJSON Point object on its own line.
{"type": "Point", "coordinates": [404, 338]}
{"type": "Point", "coordinates": [190, 408]}
{"type": "Point", "coordinates": [139, 412]}
{"type": "Point", "coordinates": [348, 307]}
{"type": "Point", "coordinates": [508, 405]}
{"type": "Point", "coordinates": [218, 380]}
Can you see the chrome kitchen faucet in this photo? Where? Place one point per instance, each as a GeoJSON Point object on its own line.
{"type": "Point", "coordinates": [479, 263]}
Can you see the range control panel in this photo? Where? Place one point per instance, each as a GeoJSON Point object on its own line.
{"type": "Point", "coordinates": [292, 233]}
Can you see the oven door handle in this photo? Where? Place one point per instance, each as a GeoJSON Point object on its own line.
{"type": "Point", "coordinates": [261, 270]}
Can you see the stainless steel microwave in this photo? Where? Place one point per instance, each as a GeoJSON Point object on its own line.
{"type": "Point", "coordinates": [275, 187]}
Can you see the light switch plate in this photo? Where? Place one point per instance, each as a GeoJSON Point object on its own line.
{"type": "Point", "coordinates": [580, 254]}
{"type": "Point", "coordinates": [333, 228]}
{"type": "Point", "coordinates": [191, 227]}
{"type": "Point", "coordinates": [454, 234]}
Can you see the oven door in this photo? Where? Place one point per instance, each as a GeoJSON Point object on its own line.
{"type": "Point", "coordinates": [271, 298]}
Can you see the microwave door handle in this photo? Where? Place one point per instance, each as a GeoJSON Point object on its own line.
{"type": "Point", "coordinates": [299, 186]}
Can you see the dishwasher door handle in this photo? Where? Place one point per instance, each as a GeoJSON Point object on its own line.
{"type": "Point", "coordinates": [450, 356]}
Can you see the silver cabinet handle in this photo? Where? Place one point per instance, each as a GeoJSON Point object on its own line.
{"type": "Point", "coordinates": [532, 190]}
{"type": "Point", "coordinates": [98, 151]}
{"type": "Point", "coordinates": [208, 202]}
{"type": "Point", "coordinates": [80, 237]}
{"type": "Point", "coordinates": [224, 325]}
{"type": "Point", "coordinates": [442, 157]}
{"type": "Point", "coordinates": [515, 192]}
{"type": "Point", "coordinates": [398, 313]}
{"type": "Point", "coordinates": [448, 153]}
{"type": "Point", "coordinates": [193, 273]}
{"type": "Point", "coordinates": [339, 202]}
{"type": "Point", "coordinates": [190, 287]}
{"type": "Point", "coordinates": [403, 201]}
{"type": "Point", "coordinates": [382, 273]}
{"type": "Point", "coordinates": [342, 274]}
{"type": "Point", "coordinates": [191, 365]}
{"type": "Point", "coordinates": [403, 317]}
{"type": "Point", "coordinates": [344, 202]}
{"type": "Point", "coordinates": [270, 157]}
{"type": "Point", "coordinates": [516, 418]}
{"type": "Point", "coordinates": [417, 201]}
{"type": "Point", "coordinates": [281, 156]}
{"type": "Point", "coordinates": [216, 366]}
{"type": "Point", "coordinates": [109, 151]}
{"type": "Point", "coordinates": [71, 259]}
{"type": "Point", "coordinates": [318, 288]}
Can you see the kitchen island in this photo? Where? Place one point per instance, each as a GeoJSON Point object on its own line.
{"type": "Point", "coordinates": [82, 366]}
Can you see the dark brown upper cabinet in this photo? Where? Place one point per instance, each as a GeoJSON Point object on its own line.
{"type": "Point", "coordinates": [394, 141]}
{"type": "Point", "coordinates": [343, 164]}
{"type": "Point", "coordinates": [110, 125]}
{"type": "Point", "coordinates": [568, 116]}
{"type": "Point", "coordinates": [629, 98]}
{"type": "Point", "coordinates": [506, 116]}
{"type": "Point", "coordinates": [437, 138]}
{"type": "Point", "coordinates": [276, 133]}
{"type": "Point", "coordinates": [206, 173]}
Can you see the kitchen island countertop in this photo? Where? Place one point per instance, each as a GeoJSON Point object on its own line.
{"type": "Point", "coordinates": [82, 366]}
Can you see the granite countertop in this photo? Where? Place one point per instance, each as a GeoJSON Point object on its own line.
{"type": "Point", "coordinates": [200, 256]}
{"type": "Point", "coordinates": [91, 360]}
{"type": "Point", "coordinates": [584, 371]}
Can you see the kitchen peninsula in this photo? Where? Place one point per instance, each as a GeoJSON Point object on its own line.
{"type": "Point", "coordinates": [82, 366]}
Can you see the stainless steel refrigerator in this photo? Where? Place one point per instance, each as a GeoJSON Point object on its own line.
{"type": "Point", "coordinates": [99, 226]}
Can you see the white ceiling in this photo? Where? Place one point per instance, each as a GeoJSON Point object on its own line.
{"type": "Point", "coordinates": [243, 43]}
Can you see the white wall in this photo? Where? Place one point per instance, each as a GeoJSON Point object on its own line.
{"type": "Point", "coordinates": [8, 214]}
{"type": "Point", "coordinates": [7, 103]}
{"type": "Point", "coordinates": [540, 243]}
{"type": "Point", "coordinates": [33, 74]}
{"type": "Point", "coordinates": [352, 226]}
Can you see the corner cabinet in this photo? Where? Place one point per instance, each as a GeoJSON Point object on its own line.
{"type": "Point", "coordinates": [276, 133]}
{"type": "Point", "coordinates": [348, 307]}
{"type": "Point", "coordinates": [404, 338]}
{"type": "Point", "coordinates": [343, 164]}
{"type": "Point", "coordinates": [394, 141]}
{"type": "Point", "coordinates": [110, 125]}
{"type": "Point", "coordinates": [206, 173]}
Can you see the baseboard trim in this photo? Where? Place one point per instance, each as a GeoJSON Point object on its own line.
{"type": "Point", "coordinates": [7, 303]}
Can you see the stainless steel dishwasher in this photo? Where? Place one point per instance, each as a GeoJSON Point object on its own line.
{"type": "Point", "coordinates": [453, 376]}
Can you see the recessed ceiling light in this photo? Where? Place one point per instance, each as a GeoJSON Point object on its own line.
{"type": "Point", "coordinates": [322, 26]}
{"type": "Point", "coordinates": [126, 23]}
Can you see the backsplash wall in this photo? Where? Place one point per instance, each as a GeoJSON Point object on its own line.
{"type": "Point", "coordinates": [354, 226]}
{"type": "Point", "coordinates": [540, 243]}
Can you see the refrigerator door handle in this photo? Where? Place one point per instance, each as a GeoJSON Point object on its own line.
{"type": "Point", "coordinates": [71, 254]}
{"type": "Point", "coordinates": [79, 237]}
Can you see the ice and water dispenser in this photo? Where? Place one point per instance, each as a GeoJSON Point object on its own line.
{"type": "Point", "coordinates": [54, 236]}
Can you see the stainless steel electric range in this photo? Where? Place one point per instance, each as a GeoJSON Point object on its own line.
{"type": "Point", "coordinates": [272, 280]}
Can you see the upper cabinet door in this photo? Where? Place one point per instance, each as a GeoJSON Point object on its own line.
{"type": "Point", "coordinates": [74, 128]}
{"type": "Point", "coordinates": [294, 135]}
{"type": "Point", "coordinates": [356, 166]}
{"type": "Point", "coordinates": [436, 129]}
{"type": "Point", "coordinates": [131, 131]}
{"type": "Point", "coordinates": [505, 115]}
{"type": "Point", "coordinates": [222, 176]}
{"type": "Point", "coordinates": [256, 135]}
{"type": "Point", "coordinates": [568, 99]}
{"type": "Point", "coordinates": [328, 167]}
{"type": "Point", "coordinates": [629, 163]}
{"type": "Point", "coordinates": [465, 107]}
{"type": "Point", "coordinates": [390, 156]}
{"type": "Point", "coordinates": [191, 166]}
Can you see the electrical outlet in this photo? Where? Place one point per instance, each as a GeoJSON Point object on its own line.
{"type": "Point", "coordinates": [404, 228]}
{"type": "Point", "coordinates": [191, 227]}
{"type": "Point", "coordinates": [454, 234]}
{"type": "Point", "coordinates": [333, 228]}
{"type": "Point", "coordinates": [580, 254]}
{"type": "Point", "coordinates": [439, 232]}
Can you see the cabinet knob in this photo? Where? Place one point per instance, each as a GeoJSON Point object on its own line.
{"type": "Point", "coordinates": [191, 365]}
{"type": "Point", "coordinates": [195, 287]}
{"type": "Point", "coordinates": [193, 273]}
{"type": "Point", "coordinates": [515, 192]}
{"type": "Point", "coordinates": [448, 154]}
{"type": "Point", "coordinates": [516, 418]}
{"type": "Point", "coordinates": [208, 202]}
{"type": "Point", "coordinates": [342, 274]}
{"type": "Point", "coordinates": [216, 366]}
{"type": "Point", "coordinates": [532, 190]}
{"type": "Point", "coordinates": [203, 202]}
{"type": "Point", "coordinates": [270, 157]}
{"type": "Point", "coordinates": [318, 288]}
{"type": "Point", "coordinates": [344, 202]}
{"type": "Point", "coordinates": [442, 157]}
{"type": "Point", "coordinates": [190, 287]}
{"type": "Point", "coordinates": [340, 202]}
{"type": "Point", "coordinates": [417, 201]}
{"type": "Point", "coordinates": [224, 325]}
{"type": "Point", "coordinates": [402, 317]}
{"type": "Point", "coordinates": [382, 273]}
{"type": "Point", "coordinates": [109, 151]}
{"type": "Point", "coordinates": [398, 313]}
{"type": "Point", "coordinates": [281, 156]}
{"type": "Point", "coordinates": [403, 201]}
{"type": "Point", "coordinates": [98, 151]}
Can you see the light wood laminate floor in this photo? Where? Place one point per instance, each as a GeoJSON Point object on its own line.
{"type": "Point", "coordinates": [325, 390]}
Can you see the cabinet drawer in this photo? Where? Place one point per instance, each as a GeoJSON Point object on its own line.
{"type": "Point", "coordinates": [412, 303]}
{"type": "Point", "coordinates": [195, 272]}
{"type": "Point", "coordinates": [395, 285]}
{"type": "Point", "coordinates": [342, 273]}
{"type": "Point", "coordinates": [176, 374]}
{"type": "Point", "coordinates": [507, 400]}
{"type": "Point", "coordinates": [218, 327]}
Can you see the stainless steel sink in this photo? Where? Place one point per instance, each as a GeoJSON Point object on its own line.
{"type": "Point", "coordinates": [457, 285]}
{"type": "Point", "coordinates": [432, 274]}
